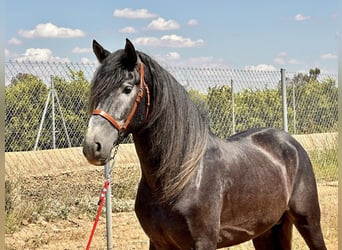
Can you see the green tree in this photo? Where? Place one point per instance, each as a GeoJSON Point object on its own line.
{"type": "Point", "coordinates": [260, 108]}
{"type": "Point", "coordinates": [314, 73]}
{"type": "Point", "coordinates": [24, 99]}
{"type": "Point", "coordinates": [219, 102]}
{"type": "Point", "coordinates": [73, 96]}
{"type": "Point", "coordinates": [314, 104]}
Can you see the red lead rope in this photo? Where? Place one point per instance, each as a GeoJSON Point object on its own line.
{"type": "Point", "coordinates": [101, 202]}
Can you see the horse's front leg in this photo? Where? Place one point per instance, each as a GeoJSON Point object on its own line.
{"type": "Point", "coordinates": [204, 232]}
{"type": "Point", "coordinates": [204, 244]}
{"type": "Point", "coordinates": [203, 222]}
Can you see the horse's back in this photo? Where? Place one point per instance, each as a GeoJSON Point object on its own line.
{"type": "Point", "coordinates": [260, 136]}
{"type": "Point", "coordinates": [273, 142]}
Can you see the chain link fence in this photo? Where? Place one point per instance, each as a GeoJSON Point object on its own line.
{"type": "Point", "coordinates": [55, 191]}
{"type": "Point", "coordinates": [46, 103]}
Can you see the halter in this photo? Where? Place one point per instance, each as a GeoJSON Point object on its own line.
{"type": "Point", "coordinates": [140, 95]}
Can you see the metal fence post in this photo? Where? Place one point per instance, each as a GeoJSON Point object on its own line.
{"type": "Point", "coordinates": [283, 95]}
{"type": "Point", "coordinates": [294, 106]}
{"type": "Point", "coordinates": [108, 207]}
{"type": "Point", "coordinates": [233, 110]}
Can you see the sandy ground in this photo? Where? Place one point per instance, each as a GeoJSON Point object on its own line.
{"type": "Point", "coordinates": [73, 233]}
{"type": "Point", "coordinates": [43, 176]}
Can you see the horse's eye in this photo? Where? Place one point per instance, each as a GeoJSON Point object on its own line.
{"type": "Point", "coordinates": [127, 89]}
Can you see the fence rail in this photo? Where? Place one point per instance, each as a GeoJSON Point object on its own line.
{"type": "Point", "coordinates": [46, 108]}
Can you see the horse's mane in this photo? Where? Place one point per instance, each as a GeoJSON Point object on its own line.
{"type": "Point", "coordinates": [180, 132]}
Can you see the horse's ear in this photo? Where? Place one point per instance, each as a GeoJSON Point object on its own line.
{"type": "Point", "coordinates": [99, 51]}
{"type": "Point", "coordinates": [131, 54]}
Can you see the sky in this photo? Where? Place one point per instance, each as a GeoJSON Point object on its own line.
{"type": "Point", "coordinates": [246, 34]}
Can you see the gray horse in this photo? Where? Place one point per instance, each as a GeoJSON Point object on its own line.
{"type": "Point", "coordinates": [198, 191]}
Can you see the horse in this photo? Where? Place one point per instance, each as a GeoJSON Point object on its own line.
{"type": "Point", "coordinates": [198, 191]}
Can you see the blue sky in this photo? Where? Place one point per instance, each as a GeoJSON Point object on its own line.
{"type": "Point", "coordinates": [246, 34]}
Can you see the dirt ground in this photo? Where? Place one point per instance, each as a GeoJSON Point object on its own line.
{"type": "Point", "coordinates": [71, 226]}
{"type": "Point", "coordinates": [73, 233]}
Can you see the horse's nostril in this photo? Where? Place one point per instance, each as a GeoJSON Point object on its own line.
{"type": "Point", "coordinates": [98, 146]}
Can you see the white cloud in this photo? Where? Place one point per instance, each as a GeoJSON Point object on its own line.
{"type": "Point", "coordinates": [37, 54]}
{"type": "Point", "coordinates": [133, 14]}
{"type": "Point", "coordinates": [78, 50]}
{"type": "Point", "coordinates": [86, 60]}
{"type": "Point", "coordinates": [128, 29]}
{"type": "Point", "coordinates": [161, 24]}
{"type": "Point", "coordinates": [49, 30]}
{"type": "Point", "coordinates": [173, 56]}
{"type": "Point", "coordinates": [179, 41]}
{"type": "Point", "coordinates": [279, 60]}
{"type": "Point", "coordinates": [192, 22]}
{"type": "Point", "coordinates": [7, 53]}
{"type": "Point", "coordinates": [328, 56]}
{"type": "Point", "coordinates": [147, 41]}
{"type": "Point", "coordinates": [205, 62]}
{"type": "Point", "coordinates": [10, 55]}
{"type": "Point", "coordinates": [173, 41]}
{"type": "Point", "coordinates": [174, 59]}
{"type": "Point", "coordinates": [293, 61]}
{"type": "Point", "coordinates": [260, 67]}
{"type": "Point", "coordinates": [14, 41]}
{"type": "Point", "coordinates": [300, 17]}
{"type": "Point", "coordinates": [282, 59]}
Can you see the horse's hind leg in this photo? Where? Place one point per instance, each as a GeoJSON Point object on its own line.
{"type": "Point", "coordinates": [277, 238]}
{"type": "Point", "coordinates": [309, 226]}
{"type": "Point", "coordinates": [305, 214]}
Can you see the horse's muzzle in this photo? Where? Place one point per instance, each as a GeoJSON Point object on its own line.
{"type": "Point", "coordinates": [97, 149]}
{"type": "Point", "coordinates": [92, 151]}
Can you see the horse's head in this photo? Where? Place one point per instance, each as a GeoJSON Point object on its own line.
{"type": "Point", "coordinates": [119, 101]}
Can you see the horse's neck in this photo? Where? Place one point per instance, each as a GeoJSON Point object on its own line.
{"type": "Point", "coordinates": [149, 161]}
{"type": "Point", "coordinates": [172, 143]}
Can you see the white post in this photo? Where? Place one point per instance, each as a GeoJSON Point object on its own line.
{"type": "Point", "coordinates": [53, 114]}
{"type": "Point", "coordinates": [42, 121]}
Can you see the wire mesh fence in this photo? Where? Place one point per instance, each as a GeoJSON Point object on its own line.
{"type": "Point", "coordinates": [46, 108]}
{"type": "Point", "coordinates": [46, 103]}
